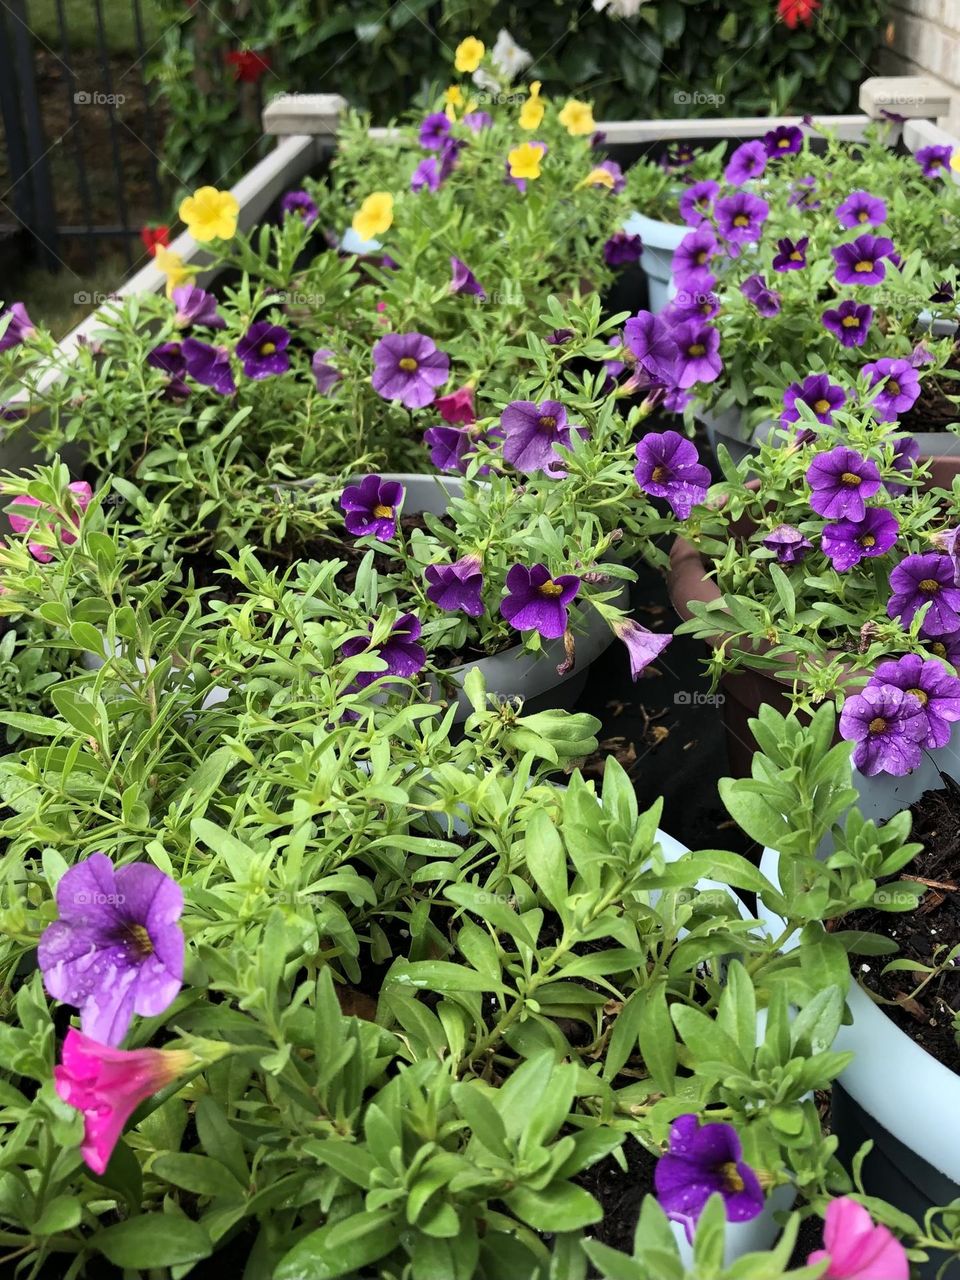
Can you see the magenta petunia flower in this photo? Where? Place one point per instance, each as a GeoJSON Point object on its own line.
{"type": "Point", "coordinates": [194, 306]}
{"type": "Point", "coordinates": [372, 507]}
{"type": "Point", "coordinates": [860, 209]}
{"type": "Point", "coordinates": [691, 259]}
{"type": "Point", "coordinates": [536, 601]}
{"type": "Point", "coordinates": [701, 1161]}
{"type": "Point", "coordinates": [531, 432]}
{"type": "Point", "coordinates": [408, 367]}
{"type": "Point", "coordinates": [435, 129]}
{"type": "Point", "coordinates": [816, 391]}
{"type": "Point", "coordinates": [698, 359]}
{"type": "Point", "coordinates": [748, 161]}
{"type": "Point", "coordinates": [740, 217]}
{"type": "Point", "coordinates": [898, 387]}
{"type": "Point", "coordinates": [926, 579]}
{"type": "Point", "coordinates": [210, 366]}
{"type": "Point", "coordinates": [696, 202]}
{"type": "Point", "coordinates": [861, 262]}
{"type": "Point", "coordinates": [934, 161]}
{"type": "Point", "coordinates": [263, 350]}
{"type": "Point", "coordinates": [643, 646]}
{"type": "Point", "coordinates": [325, 374]}
{"type": "Point", "coordinates": [927, 680]}
{"type": "Point", "coordinates": [107, 1085]}
{"type": "Point", "coordinates": [791, 255]}
{"type": "Point", "coordinates": [426, 176]}
{"type": "Point", "coordinates": [457, 406]}
{"type": "Point", "coordinates": [622, 250]}
{"type": "Point", "coordinates": [649, 337]}
{"type": "Point", "coordinates": [457, 587]}
{"type": "Point", "coordinates": [785, 140]}
{"type": "Point", "coordinates": [888, 727]}
{"type": "Point", "coordinates": [848, 542]}
{"type": "Point", "coordinates": [765, 299]}
{"type": "Point", "coordinates": [19, 326]}
{"type": "Point", "coordinates": [117, 948]}
{"type": "Point", "coordinates": [402, 653]}
{"type": "Point", "coordinates": [670, 467]}
{"type": "Point", "coordinates": [855, 1249]}
{"type": "Point", "coordinates": [60, 524]}
{"type": "Point", "coordinates": [299, 204]}
{"type": "Point", "coordinates": [788, 544]}
{"type": "Point", "coordinates": [849, 322]}
{"type": "Point", "coordinates": [463, 280]}
{"type": "Point", "coordinates": [840, 480]}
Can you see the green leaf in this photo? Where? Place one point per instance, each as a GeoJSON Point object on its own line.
{"type": "Point", "coordinates": [220, 1139]}
{"type": "Point", "coordinates": [341, 1248]}
{"type": "Point", "coordinates": [199, 1174]}
{"type": "Point", "coordinates": [147, 1241]}
{"type": "Point", "coordinates": [547, 860]}
{"type": "Point", "coordinates": [562, 1207]}
{"type": "Point", "coordinates": [656, 1036]}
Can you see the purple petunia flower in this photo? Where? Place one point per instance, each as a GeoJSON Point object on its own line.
{"type": "Point", "coordinates": [888, 727]}
{"type": "Point", "coordinates": [748, 161]}
{"type": "Point", "coordinates": [931, 684]}
{"type": "Point", "coordinates": [803, 192]}
{"type": "Point", "coordinates": [400, 651]}
{"type": "Point", "coordinates": [841, 480]}
{"type": "Point", "coordinates": [117, 948]}
{"type": "Point", "coordinates": [463, 280]}
{"type": "Point", "coordinates": [299, 204]}
{"type": "Point", "coordinates": [926, 579]}
{"type": "Point", "coordinates": [906, 455]}
{"type": "Point", "coordinates": [765, 299]}
{"type": "Point", "coordinates": [210, 366]}
{"type": "Point", "coordinates": [943, 292]}
{"type": "Point", "coordinates": [849, 322]}
{"type": "Point", "coordinates": [263, 350]}
{"type": "Point", "coordinates": [698, 345]}
{"type": "Point", "coordinates": [559, 337]}
{"type": "Point", "coordinates": [408, 367]}
{"type": "Point", "coordinates": [477, 120]}
{"type": "Point", "coordinates": [531, 432]}
{"type": "Point", "coordinates": [705, 1160]}
{"type": "Point", "coordinates": [168, 356]}
{"type": "Point", "coordinates": [691, 259]}
{"type": "Point", "coordinates": [788, 544]}
{"type": "Point", "coordinates": [785, 140]}
{"type": "Point", "coordinates": [325, 374]}
{"type": "Point", "coordinates": [449, 155]}
{"type": "Point", "coordinates": [643, 646]}
{"type": "Point", "coordinates": [848, 542]}
{"type": "Point", "coordinates": [372, 507]}
{"type": "Point", "coordinates": [426, 176]}
{"type": "Point", "coordinates": [449, 448]}
{"type": "Point", "coordinates": [792, 255]}
{"type": "Point", "coordinates": [862, 261]}
{"type": "Point", "coordinates": [946, 647]}
{"type": "Point", "coordinates": [697, 201]}
{"type": "Point", "coordinates": [194, 306]}
{"type": "Point", "coordinates": [19, 326]}
{"type": "Point", "coordinates": [740, 217]}
{"type": "Point", "coordinates": [435, 129]}
{"type": "Point", "coordinates": [861, 208]}
{"type": "Point", "coordinates": [899, 387]}
{"type": "Point", "coordinates": [686, 306]}
{"type": "Point", "coordinates": [535, 601]}
{"type": "Point", "coordinates": [649, 337]}
{"type": "Point", "coordinates": [456, 588]}
{"type": "Point", "coordinates": [670, 467]}
{"type": "Point", "coordinates": [622, 250]}
{"type": "Point", "coordinates": [934, 161]}
{"type": "Point", "coordinates": [817, 391]}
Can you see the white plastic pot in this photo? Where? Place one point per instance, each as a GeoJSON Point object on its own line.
{"type": "Point", "coordinates": [660, 242]}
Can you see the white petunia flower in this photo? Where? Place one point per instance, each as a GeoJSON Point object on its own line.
{"type": "Point", "coordinates": [508, 57]}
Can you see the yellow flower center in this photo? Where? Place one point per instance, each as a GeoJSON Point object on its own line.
{"type": "Point", "coordinates": [551, 590]}
{"type": "Point", "coordinates": [864, 266]}
{"type": "Point", "coordinates": [929, 586]}
{"type": "Point", "coordinates": [850, 322]}
{"type": "Point", "coordinates": [867, 541]}
{"type": "Point", "coordinates": [731, 1177]}
{"type": "Point", "coordinates": [698, 349]}
{"type": "Point", "coordinates": [920, 696]}
{"type": "Point", "coordinates": [939, 648]}
{"type": "Point", "coordinates": [659, 475]}
{"type": "Point", "coordinates": [701, 257]}
{"type": "Point", "coordinates": [821, 406]}
{"type": "Point", "coordinates": [893, 387]}
{"type": "Point", "coordinates": [267, 348]}
{"type": "Point", "coordinates": [783, 143]}
{"type": "Point", "coordinates": [741, 220]}
{"type": "Point", "coordinates": [383, 512]}
{"type": "Point", "coordinates": [877, 725]}
{"type": "Point", "coordinates": [408, 364]}
{"type": "Point", "coordinates": [851, 480]}
{"type": "Point", "coordinates": [796, 256]}
{"type": "Point", "coordinates": [548, 422]}
{"type": "Point", "coordinates": [140, 940]}
{"type": "Point", "coordinates": [863, 216]}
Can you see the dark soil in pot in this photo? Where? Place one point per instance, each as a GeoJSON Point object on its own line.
{"type": "Point", "coordinates": [925, 935]}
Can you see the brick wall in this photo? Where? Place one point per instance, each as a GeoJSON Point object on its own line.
{"type": "Point", "coordinates": [923, 38]}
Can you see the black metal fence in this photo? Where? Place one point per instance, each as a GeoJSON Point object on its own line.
{"type": "Point", "coordinates": [79, 165]}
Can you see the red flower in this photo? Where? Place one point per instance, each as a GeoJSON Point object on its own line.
{"type": "Point", "coordinates": [248, 67]}
{"type": "Point", "coordinates": [795, 12]}
{"type": "Point", "coordinates": [152, 236]}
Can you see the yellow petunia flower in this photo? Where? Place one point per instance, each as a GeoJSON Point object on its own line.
{"type": "Point", "coordinates": [598, 178]}
{"type": "Point", "coordinates": [955, 160]}
{"type": "Point", "coordinates": [525, 160]}
{"type": "Point", "coordinates": [531, 113]}
{"type": "Point", "coordinates": [577, 117]}
{"type": "Point", "coordinates": [374, 216]}
{"type": "Point", "coordinates": [173, 267]}
{"type": "Point", "coordinates": [210, 214]}
{"type": "Point", "coordinates": [454, 96]}
{"type": "Point", "coordinates": [469, 54]}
